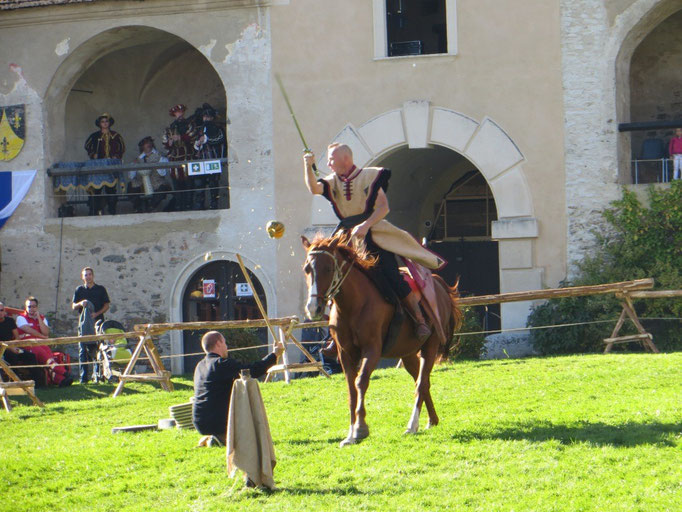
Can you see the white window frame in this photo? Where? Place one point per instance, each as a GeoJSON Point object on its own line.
{"type": "Point", "coordinates": [381, 33]}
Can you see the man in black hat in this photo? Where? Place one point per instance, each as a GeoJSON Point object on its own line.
{"type": "Point", "coordinates": [210, 145]}
{"type": "Point", "coordinates": [104, 144]}
{"type": "Point", "coordinates": [178, 141]}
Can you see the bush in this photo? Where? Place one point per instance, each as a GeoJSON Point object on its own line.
{"type": "Point", "coordinates": [469, 346]}
{"type": "Point", "coordinates": [641, 241]}
{"type": "Point", "coordinates": [242, 338]}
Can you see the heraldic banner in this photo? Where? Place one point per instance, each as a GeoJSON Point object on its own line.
{"type": "Point", "coordinates": [12, 131]}
{"type": "Point", "coordinates": [14, 186]}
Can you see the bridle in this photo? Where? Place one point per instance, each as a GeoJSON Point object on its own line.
{"type": "Point", "coordinates": [337, 279]}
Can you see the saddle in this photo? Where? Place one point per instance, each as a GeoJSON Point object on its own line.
{"type": "Point", "coordinates": [421, 282]}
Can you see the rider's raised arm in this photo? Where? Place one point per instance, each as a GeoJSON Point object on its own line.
{"type": "Point", "coordinates": [310, 179]}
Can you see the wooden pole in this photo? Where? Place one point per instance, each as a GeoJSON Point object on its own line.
{"type": "Point", "coordinates": [223, 324]}
{"type": "Point", "coordinates": [257, 298]}
{"type": "Point", "coordinates": [555, 293]}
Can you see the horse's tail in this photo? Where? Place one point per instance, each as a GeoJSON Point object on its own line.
{"type": "Point", "coordinates": [455, 321]}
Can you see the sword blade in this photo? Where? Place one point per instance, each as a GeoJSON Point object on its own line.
{"type": "Point", "coordinates": [278, 79]}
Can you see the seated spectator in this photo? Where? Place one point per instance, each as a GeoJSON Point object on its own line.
{"type": "Point", "coordinates": [33, 326]}
{"type": "Point", "coordinates": [16, 356]}
{"type": "Point", "coordinates": [213, 379]}
{"type": "Point", "coordinates": [148, 185]}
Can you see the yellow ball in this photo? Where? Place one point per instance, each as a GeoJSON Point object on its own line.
{"type": "Point", "coordinates": [275, 229]}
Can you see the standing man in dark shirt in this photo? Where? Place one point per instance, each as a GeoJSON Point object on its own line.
{"type": "Point", "coordinates": [213, 379]}
{"type": "Point", "coordinates": [14, 355]}
{"type": "Point", "coordinates": [99, 298]}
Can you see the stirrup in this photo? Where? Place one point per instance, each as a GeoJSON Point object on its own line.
{"type": "Point", "coordinates": [423, 332]}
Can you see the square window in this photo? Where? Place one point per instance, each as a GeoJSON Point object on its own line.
{"type": "Point", "coordinates": [414, 27]}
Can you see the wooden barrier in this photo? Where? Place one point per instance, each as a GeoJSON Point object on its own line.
{"type": "Point", "coordinates": [625, 291]}
{"type": "Point", "coordinates": [556, 293]}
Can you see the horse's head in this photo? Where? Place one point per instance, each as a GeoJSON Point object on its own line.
{"type": "Point", "coordinates": [322, 274]}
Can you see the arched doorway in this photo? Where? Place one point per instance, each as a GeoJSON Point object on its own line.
{"type": "Point", "coordinates": [218, 291]}
{"type": "Point", "coordinates": [438, 195]}
{"type": "Point", "coordinates": [655, 77]}
{"type": "Point", "coordinates": [422, 127]}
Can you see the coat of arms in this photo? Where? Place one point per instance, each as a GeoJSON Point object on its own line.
{"type": "Point", "coordinates": [12, 131]}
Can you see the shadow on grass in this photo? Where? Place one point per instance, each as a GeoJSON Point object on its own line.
{"type": "Point", "coordinates": [627, 434]}
{"type": "Point", "coordinates": [79, 392]}
{"type": "Point", "coordinates": [310, 491]}
{"type": "Point", "coordinates": [305, 442]}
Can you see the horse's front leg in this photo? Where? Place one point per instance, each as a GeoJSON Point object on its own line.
{"type": "Point", "coordinates": [350, 370]}
{"type": "Point", "coordinates": [369, 361]}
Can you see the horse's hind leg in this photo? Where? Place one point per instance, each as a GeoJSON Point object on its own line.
{"type": "Point", "coordinates": [427, 359]}
{"type": "Point", "coordinates": [411, 364]}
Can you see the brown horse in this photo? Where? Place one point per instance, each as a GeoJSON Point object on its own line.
{"type": "Point", "coordinates": [359, 320]}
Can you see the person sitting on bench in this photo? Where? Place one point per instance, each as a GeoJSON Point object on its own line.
{"type": "Point", "coordinates": [213, 379]}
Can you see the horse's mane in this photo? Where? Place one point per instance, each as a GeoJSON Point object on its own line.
{"type": "Point", "coordinates": [349, 248]}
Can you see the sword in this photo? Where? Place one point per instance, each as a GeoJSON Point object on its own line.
{"type": "Point", "coordinates": [291, 111]}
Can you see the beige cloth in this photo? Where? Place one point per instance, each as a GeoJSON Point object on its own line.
{"type": "Point", "coordinates": [350, 197]}
{"type": "Point", "coordinates": [249, 443]}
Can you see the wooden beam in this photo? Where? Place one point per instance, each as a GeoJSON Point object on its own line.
{"type": "Point", "coordinates": [225, 324]}
{"type": "Point", "coordinates": [555, 293]}
{"type": "Point", "coordinates": [656, 294]}
{"type": "Point", "coordinates": [71, 339]}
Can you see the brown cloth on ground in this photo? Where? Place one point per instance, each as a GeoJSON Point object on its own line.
{"type": "Point", "coordinates": [249, 443]}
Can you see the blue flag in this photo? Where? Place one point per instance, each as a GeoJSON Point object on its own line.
{"type": "Point", "coordinates": [14, 186]}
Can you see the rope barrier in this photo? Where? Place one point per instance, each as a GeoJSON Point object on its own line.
{"type": "Point", "coordinates": [255, 347]}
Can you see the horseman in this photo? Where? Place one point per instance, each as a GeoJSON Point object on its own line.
{"type": "Point", "coordinates": [358, 197]}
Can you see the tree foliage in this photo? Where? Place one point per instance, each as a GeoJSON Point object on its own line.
{"type": "Point", "coordinates": [640, 240]}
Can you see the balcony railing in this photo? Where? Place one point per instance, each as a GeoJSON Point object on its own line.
{"type": "Point", "coordinates": [101, 187]}
{"type": "Point", "coordinates": [657, 170]}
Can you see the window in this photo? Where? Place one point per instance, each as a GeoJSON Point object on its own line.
{"type": "Point", "coordinates": [414, 27]}
{"type": "Point", "coordinates": [467, 211]}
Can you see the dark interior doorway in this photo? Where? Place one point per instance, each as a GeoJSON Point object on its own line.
{"type": "Point", "coordinates": [439, 196]}
{"type": "Point", "coordinates": [218, 291]}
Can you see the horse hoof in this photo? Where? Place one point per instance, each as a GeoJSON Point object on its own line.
{"type": "Point", "coordinates": [409, 432]}
{"type": "Point", "coordinates": [431, 425]}
{"type": "Point", "coordinates": [347, 442]}
{"type": "Point", "coordinates": [361, 433]}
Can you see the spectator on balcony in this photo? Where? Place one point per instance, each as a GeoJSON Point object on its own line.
{"type": "Point", "coordinates": [210, 145]}
{"type": "Point", "coordinates": [31, 326]}
{"type": "Point", "coordinates": [148, 185]}
{"type": "Point", "coordinates": [104, 144]}
{"type": "Point", "coordinates": [675, 152]}
{"type": "Point", "coordinates": [178, 141]}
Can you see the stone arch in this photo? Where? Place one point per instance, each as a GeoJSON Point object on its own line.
{"type": "Point", "coordinates": [183, 278]}
{"type": "Point", "coordinates": [87, 53]}
{"type": "Point", "coordinates": [419, 125]}
{"type": "Point", "coordinates": [630, 29]}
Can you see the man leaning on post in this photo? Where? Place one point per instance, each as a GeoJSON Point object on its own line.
{"type": "Point", "coordinates": [213, 379]}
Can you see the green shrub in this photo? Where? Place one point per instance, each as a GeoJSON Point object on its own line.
{"type": "Point", "coordinates": [468, 346]}
{"type": "Point", "coordinates": [242, 338]}
{"type": "Point", "coordinates": [640, 241]}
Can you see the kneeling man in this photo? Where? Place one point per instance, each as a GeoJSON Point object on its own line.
{"type": "Point", "coordinates": [213, 379]}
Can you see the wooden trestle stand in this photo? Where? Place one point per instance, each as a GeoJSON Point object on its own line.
{"type": "Point", "coordinates": [284, 335]}
{"type": "Point", "coordinates": [644, 337]}
{"type": "Point", "coordinates": [16, 386]}
{"type": "Point", "coordinates": [160, 374]}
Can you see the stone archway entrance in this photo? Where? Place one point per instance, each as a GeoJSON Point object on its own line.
{"type": "Point", "coordinates": [419, 126]}
{"type": "Point", "coordinates": [440, 197]}
{"type": "Point", "coordinates": [218, 291]}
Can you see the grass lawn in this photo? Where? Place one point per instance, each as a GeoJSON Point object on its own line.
{"type": "Point", "coordinates": [596, 432]}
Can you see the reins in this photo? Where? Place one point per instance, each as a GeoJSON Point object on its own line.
{"type": "Point", "coordinates": [337, 279]}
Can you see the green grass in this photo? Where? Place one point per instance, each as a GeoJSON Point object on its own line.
{"type": "Point", "coordinates": [596, 432]}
